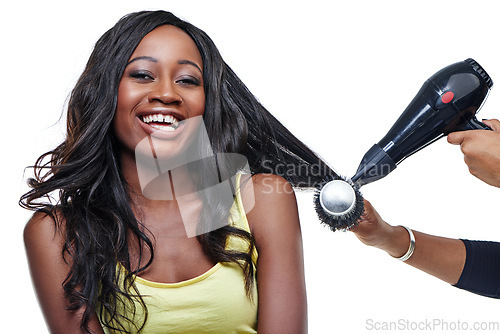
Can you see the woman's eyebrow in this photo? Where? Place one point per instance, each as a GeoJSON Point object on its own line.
{"type": "Point", "coordinates": [154, 60]}
{"type": "Point", "coordinates": [189, 62]}
{"type": "Point", "coordinates": [151, 59]}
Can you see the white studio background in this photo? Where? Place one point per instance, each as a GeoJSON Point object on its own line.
{"type": "Point", "coordinates": [337, 74]}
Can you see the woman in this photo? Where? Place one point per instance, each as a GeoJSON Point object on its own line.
{"type": "Point", "coordinates": [466, 264]}
{"type": "Point", "coordinates": [110, 257]}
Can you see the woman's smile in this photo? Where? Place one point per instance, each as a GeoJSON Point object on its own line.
{"type": "Point", "coordinates": [167, 123]}
{"type": "Point", "coordinates": [162, 123]}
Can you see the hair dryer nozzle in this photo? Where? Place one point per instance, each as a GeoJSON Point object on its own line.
{"type": "Point", "coordinates": [375, 165]}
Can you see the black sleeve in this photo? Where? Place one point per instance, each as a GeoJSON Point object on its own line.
{"type": "Point", "coordinates": [481, 274]}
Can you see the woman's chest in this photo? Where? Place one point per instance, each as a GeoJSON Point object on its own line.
{"type": "Point", "coordinates": [214, 302]}
{"type": "Point", "coordinates": [174, 260]}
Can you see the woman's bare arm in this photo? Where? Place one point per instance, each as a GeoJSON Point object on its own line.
{"type": "Point", "coordinates": [280, 269]}
{"type": "Point", "coordinates": [44, 244]}
{"type": "Point", "coordinates": [441, 257]}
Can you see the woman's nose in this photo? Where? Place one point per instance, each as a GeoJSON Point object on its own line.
{"type": "Point", "coordinates": [164, 92]}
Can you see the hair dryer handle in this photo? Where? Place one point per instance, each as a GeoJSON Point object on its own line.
{"type": "Point", "coordinates": [472, 124]}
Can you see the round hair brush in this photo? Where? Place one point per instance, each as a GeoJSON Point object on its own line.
{"type": "Point", "coordinates": [447, 102]}
{"type": "Point", "coordinates": [338, 203]}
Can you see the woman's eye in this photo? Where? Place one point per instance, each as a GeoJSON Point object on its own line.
{"type": "Point", "coordinates": [141, 75]}
{"type": "Point", "coordinates": [192, 81]}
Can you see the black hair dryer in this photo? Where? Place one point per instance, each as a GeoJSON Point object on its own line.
{"type": "Point", "coordinates": [447, 102]}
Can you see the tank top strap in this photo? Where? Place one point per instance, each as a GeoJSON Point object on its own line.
{"type": "Point", "coordinates": [239, 219]}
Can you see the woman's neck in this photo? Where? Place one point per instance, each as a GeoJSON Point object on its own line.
{"type": "Point", "coordinates": [157, 195]}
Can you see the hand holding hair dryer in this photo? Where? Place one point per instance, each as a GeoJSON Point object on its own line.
{"type": "Point", "coordinates": [447, 102]}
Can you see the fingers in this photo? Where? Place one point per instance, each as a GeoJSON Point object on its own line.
{"type": "Point", "coordinates": [493, 124]}
{"type": "Point", "coordinates": [456, 138]}
{"type": "Point", "coordinates": [368, 210]}
{"type": "Point", "coordinates": [369, 215]}
{"type": "Point", "coordinates": [368, 205]}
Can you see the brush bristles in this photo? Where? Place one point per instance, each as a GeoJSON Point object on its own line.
{"type": "Point", "coordinates": [345, 221]}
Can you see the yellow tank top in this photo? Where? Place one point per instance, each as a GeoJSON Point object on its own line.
{"type": "Point", "coordinates": [214, 302]}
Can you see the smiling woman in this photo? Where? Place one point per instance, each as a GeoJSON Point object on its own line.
{"type": "Point", "coordinates": [163, 79]}
{"type": "Point", "coordinates": [106, 257]}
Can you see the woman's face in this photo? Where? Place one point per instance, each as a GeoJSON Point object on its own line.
{"type": "Point", "coordinates": [161, 88]}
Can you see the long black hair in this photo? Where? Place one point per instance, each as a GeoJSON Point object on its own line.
{"type": "Point", "coordinates": [93, 196]}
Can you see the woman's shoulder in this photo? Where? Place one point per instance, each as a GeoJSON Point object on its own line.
{"type": "Point", "coordinates": [261, 190]}
{"type": "Point", "coordinates": [264, 184]}
{"type": "Point", "coordinates": [44, 228]}
{"type": "Point", "coordinates": [266, 197]}
{"type": "Point", "coordinates": [270, 180]}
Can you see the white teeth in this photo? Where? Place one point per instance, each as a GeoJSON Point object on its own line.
{"type": "Point", "coordinates": [171, 123]}
{"type": "Point", "coordinates": [168, 128]}
{"type": "Point", "coordinates": [161, 118]}
{"type": "Point", "coordinates": [169, 119]}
